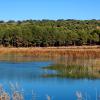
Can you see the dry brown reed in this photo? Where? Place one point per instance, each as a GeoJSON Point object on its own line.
{"type": "Point", "coordinates": [88, 52]}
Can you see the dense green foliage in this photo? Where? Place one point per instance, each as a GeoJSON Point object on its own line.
{"type": "Point", "coordinates": [45, 33]}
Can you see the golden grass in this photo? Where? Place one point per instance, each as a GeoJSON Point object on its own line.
{"type": "Point", "coordinates": [81, 51]}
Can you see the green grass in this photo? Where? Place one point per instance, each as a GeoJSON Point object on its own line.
{"type": "Point", "coordinates": [72, 71]}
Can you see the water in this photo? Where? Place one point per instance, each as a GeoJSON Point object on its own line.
{"type": "Point", "coordinates": [28, 75]}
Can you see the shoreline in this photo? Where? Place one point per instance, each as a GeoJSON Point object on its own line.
{"type": "Point", "coordinates": [53, 51]}
{"type": "Point", "coordinates": [75, 51]}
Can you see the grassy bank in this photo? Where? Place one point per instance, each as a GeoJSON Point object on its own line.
{"type": "Point", "coordinates": [86, 51]}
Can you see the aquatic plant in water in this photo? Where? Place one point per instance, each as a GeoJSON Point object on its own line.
{"type": "Point", "coordinates": [18, 95]}
{"type": "Point", "coordinates": [48, 97]}
{"type": "Point", "coordinates": [3, 94]}
{"type": "Point", "coordinates": [79, 95]}
{"type": "Point", "coordinates": [72, 71]}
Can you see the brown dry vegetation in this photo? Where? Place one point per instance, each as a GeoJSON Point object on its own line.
{"type": "Point", "coordinates": [75, 51]}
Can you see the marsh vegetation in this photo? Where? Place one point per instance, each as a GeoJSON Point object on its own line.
{"type": "Point", "coordinates": [57, 77]}
{"type": "Point", "coordinates": [72, 67]}
{"type": "Point", "coordinates": [17, 93]}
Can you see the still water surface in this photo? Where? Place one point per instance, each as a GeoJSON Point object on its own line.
{"type": "Point", "coordinates": [28, 75]}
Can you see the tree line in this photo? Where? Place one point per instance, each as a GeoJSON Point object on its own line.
{"type": "Point", "coordinates": [44, 33]}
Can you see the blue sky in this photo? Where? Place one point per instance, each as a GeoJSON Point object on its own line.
{"type": "Point", "coordinates": [49, 9]}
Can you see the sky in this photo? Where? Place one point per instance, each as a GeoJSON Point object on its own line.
{"type": "Point", "coordinates": [49, 9]}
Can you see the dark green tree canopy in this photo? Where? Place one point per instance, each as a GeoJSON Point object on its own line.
{"type": "Point", "coordinates": [43, 33]}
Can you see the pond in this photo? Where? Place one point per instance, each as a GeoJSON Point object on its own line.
{"type": "Point", "coordinates": [25, 74]}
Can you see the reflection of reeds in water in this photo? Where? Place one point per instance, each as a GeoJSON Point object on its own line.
{"type": "Point", "coordinates": [70, 72]}
{"type": "Point", "coordinates": [72, 67]}
{"type": "Point", "coordinates": [70, 60]}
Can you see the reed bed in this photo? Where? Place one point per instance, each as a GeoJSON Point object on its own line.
{"type": "Point", "coordinates": [54, 51]}
{"type": "Point", "coordinates": [71, 67]}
